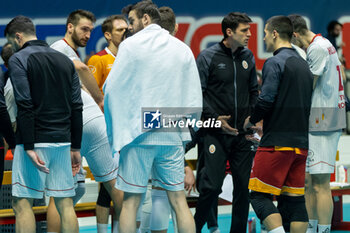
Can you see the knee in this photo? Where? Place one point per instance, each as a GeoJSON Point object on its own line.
{"type": "Point", "coordinates": [320, 183]}
{"type": "Point", "coordinates": [262, 205]}
{"type": "Point", "coordinates": [177, 199]}
{"type": "Point", "coordinates": [292, 209]}
{"type": "Point", "coordinates": [63, 204]}
{"type": "Point", "coordinates": [20, 205]}
{"type": "Point", "coordinates": [103, 198]}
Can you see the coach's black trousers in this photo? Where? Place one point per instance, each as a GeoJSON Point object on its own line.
{"type": "Point", "coordinates": [215, 149]}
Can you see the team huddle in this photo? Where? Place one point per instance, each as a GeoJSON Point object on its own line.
{"type": "Point", "coordinates": [65, 109]}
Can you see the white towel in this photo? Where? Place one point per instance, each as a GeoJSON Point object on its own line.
{"type": "Point", "coordinates": [152, 69]}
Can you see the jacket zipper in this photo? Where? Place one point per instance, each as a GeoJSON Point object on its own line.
{"type": "Point", "coordinates": [235, 85]}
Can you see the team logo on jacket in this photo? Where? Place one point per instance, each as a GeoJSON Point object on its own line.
{"type": "Point", "coordinates": [222, 66]}
{"type": "Point", "coordinates": [245, 64]}
{"type": "Point", "coordinates": [212, 149]}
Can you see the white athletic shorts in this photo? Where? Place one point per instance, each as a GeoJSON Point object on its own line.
{"type": "Point", "coordinates": [97, 151]}
{"type": "Point", "coordinates": [164, 162]}
{"type": "Point", "coordinates": [29, 182]}
{"type": "Point", "coordinates": [322, 152]}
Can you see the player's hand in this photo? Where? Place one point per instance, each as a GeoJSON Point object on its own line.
{"type": "Point", "coordinates": [226, 127]}
{"type": "Point", "coordinates": [76, 161]}
{"type": "Point", "coordinates": [247, 125]}
{"type": "Point", "coordinates": [101, 105]}
{"type": "Point", "coordinates": [38, 163]}
{"type": "Point", "coordinates": [190, 181]}
{"type": "Point", "coordinates": [255, 138]}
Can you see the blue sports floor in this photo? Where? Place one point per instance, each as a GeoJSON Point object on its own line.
{"type": "Point", "coordinates": [225, 221]}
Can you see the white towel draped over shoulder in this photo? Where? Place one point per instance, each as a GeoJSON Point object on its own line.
{"type": "Point", "coordinates": [152, 69]}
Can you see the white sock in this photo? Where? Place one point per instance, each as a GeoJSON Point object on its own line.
{"type": "Point", "coordinates": [324, 228]}
{"type": "Point", "coordinates": [312, 226]}
{"type": "Point", "coordinates": [102, 228]}
{"type": "Point", "coordinates": [278, 230]}
{"type": "Point", "coordinates": [115, 226]}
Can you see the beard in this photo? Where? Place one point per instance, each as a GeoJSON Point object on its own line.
{"type": "Point", "coordinates": [77, 41]}
{"type": "Point", "coordinates": [138, 28]}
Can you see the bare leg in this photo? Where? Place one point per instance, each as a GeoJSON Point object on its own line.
{"type": "Point", "coordinates": [272, 221]}
{"type": "Point", "coordinates": [320, 183]}
{"type": "Point", "coordinates": [53, 217]}
{"type": "Point", "coordinates": [298, 227]}
{"type": "Point", "coordinates": [184, 218]}
{"type": "Point", "coordinates": [116, 195]}
{"type": "Point", "coordinates": [69, 221]}
{"type": "Point", "coordinates": [127, 220]}
{"type": "Point", "coordinates": [310, 197]}
{"type": "Point", "coordinates": [25, 220]}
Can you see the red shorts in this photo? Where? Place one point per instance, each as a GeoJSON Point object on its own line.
{"type": "Point", "coordinates": [278, 170]}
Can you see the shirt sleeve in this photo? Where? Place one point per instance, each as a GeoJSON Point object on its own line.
{"type": "Point", "coordinates": [5, 126]}
{"type": "Point", "coordinates": [96, 67]}
{"type": "Point", "coordinates": [25, 108]}
{"type": "Point", "coordinates": [76, 117]}
{"type": "Point", "coordinates": [253, 86]}
{"type": "Point", "coordinates": [317, 58]}
{"type": "Point", "coordinates": [203, 70]}
{"type": "Point", "coordinates": [271, 75]}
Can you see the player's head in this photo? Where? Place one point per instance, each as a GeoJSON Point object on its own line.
{"type": "Point", "coordinates": [168, 19]}
{"type": "Point", "coordinates": [113, 29]}
{"type": "Point", "coordinates": [6, 53]}
{"type": "Point", "coordinates": [300, 28]}
{"type": "Point", "coordinates": [18, 30]}
{"type": "Point", "coordinates": [334, 28]}
{"type": "Point", "coordinates": [277, 29]}
{"type": "Point", "coordinates": [142, 14]}
{"type": "Point", "coordinates": [79, 26]}
{"type": "Point", "coordinates": [236, 29]}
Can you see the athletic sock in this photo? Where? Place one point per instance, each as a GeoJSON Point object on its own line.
{"type": "Point", "coordinates": [102, 228]}
{"type": "Point", "coordinates": [278, 230]}
{"type": "Point", "coordinates": [312, 226]}
{"type": "Point", "coordinates": [115, 226]}
{"type": "Point", "coordinates": [324, 228]}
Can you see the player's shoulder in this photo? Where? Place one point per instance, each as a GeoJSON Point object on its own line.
{"type": "Point", "coordinates": [211, 51]}
{"type": "Point", "coordinates": [246, 53]}
{"type": "Point", "coordinates": [101, 53]}
{"type": "Point", "coordinates": [58, 44]}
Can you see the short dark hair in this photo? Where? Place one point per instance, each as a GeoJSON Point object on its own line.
{"type": "Point", "coordinates": [332, 25]}
{"type": "Point", "coordinates": [282, 24]}
{"type": "Point", "coordinates": [147, 7]}
{"type": "Point", "coordinates": [127, 9]}
{"type": "Point", "coordinates": [21, 24]}
{"type": "Point", "coordinates": [167, 18]}
{"type": "Point", "coordinates": [107, 25]}
{"type": "Point", "coordinates": [299, 24]}
{"type": "Point", "coordinates": [6, 52]}
{"type": "Point", "coordinates": [232, 20]}
{"type": "Point", "coordinates": [76, 15]}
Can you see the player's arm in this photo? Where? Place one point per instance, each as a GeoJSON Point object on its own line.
{"type": "Point", "coordinates": [25, 107]}
{"type": "Point", "coordinates": [96, 67]}
{"type": "Point", "coordinates": [315, 81]}
{"type": "Point", "coordinates": [5, 126]}
{"type": "Point", "coordinates": [317, 60]}
{"type": "Point", "coordinates": [203, 70]}
{"type": "Point", "coordinates": [269, 91]}
{"type": "Point", "coordinates": [89, 81]}
{"type": "Point", "coordinates": [76, 115]}
{"type": "Point", "coordinates": [253, 85]}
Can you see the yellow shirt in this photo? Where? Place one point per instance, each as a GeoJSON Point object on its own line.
{"type": "Point", "coordinates": [100, 65]}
